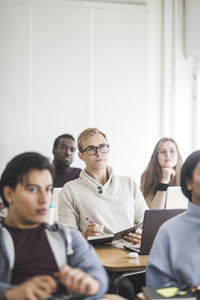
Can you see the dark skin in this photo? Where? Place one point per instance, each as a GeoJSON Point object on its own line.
{"type": "Point", "coordinates": [64, 152]}
{"type": "Point", "coordinates": [194, 185]}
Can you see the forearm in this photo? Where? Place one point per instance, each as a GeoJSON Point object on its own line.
{"type": "Point", "coordinates": [159, 200]}
{"type": "Point", "coordinates": [3, 288]}
{"type": "Point", "coordinates": [86, 259]}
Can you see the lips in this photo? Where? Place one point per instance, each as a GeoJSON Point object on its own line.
{"type": "Point", "coordinates": [41, 211]}
{"type": "Point", "coordinates": [66, 158]}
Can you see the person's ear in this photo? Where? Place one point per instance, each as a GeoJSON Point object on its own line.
{"type": "Point", "coordinates": [80, 155]}
{"type": "Point", "coordinates": [8, 194]}
{"type": "Point", "coordinates": [189, 184]}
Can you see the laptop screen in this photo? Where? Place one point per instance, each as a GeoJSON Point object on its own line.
{"type": "Point", "coordinates": [176, 198]}
{"type": "Point", "coordinates": [153, 219]}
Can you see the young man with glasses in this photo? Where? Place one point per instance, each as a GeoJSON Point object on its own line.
{"type": "Point", "coordinates": [98, 195]}
{"type": "Point", "coordinates": [109, 202]}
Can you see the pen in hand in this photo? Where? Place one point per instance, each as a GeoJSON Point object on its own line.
{"type": "Point", "coordinates": [89, 220]}
{"type": "Point", "coordinates": [93, 228]}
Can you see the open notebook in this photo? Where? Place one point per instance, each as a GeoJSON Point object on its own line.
{"type": "Point", "coordinates": [160, 293]}
{"type": "Point", "coordinates": [110, 237]}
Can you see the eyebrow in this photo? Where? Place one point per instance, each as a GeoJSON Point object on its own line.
{"type": "Point", "coordinates": [67, 146]}
{"type": "Point", "coordinates": [171, 148]}
{"type": "Point", "coordinates": [98, 145]}
{"type": "Point", "coordinates": [37, 185]}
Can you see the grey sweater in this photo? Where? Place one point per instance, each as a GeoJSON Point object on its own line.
{"type": "Point", "coordinates": [68, 247]}
{"type": "Point", "coordinates": [175, 256]}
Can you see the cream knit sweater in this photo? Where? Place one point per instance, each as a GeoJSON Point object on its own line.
{"type": "Point", "coordinates": [119, 206]}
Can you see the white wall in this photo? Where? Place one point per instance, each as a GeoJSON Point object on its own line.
{"type": "Point", "coordinates": [192, 23]}
{"type": "Point", "coordinates": [69, 65]}
{"type": "Point", "coordinates": [176, 78]}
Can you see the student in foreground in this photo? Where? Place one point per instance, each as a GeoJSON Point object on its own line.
{"type": "Point", "coordinates": [175, 256]}
{"type": "Point", "coordinates": [99, 194]}
{"type": "Point", "coordinates": [37, 259]}
{"type": "Point", "coordinates": [163, 170]}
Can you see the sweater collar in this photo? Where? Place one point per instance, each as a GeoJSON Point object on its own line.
{"type": "Point", "coordinates": [84, 174]}
{"type": "Point", "coordinates": [96, 186]}
{"type": "Point", "coordinates": [193, 210]}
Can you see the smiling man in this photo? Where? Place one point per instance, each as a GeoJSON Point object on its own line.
{"type": "Point", "coordinates": [37, 259]}
{"type": "Point", "coordinates": [64, 149]}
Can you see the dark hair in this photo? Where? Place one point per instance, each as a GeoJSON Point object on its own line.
{"type": "Point", "coordinates": [63, 136]}
{"type": "Point", "coordinates": [187, 172]}
{"type": "Point", "coordinates": [21, 165]}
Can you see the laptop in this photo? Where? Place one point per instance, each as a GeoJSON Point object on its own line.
{"type": "Point", "coordinates": [176, 198]}
{"type": "Point", "coordinates": [153, 219]}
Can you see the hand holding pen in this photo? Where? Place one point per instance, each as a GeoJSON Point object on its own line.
{"type": "Point", "coordinates": [93, 229]}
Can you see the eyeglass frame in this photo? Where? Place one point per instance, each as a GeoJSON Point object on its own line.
{"type": "Point", "coordinates": [96, 149]}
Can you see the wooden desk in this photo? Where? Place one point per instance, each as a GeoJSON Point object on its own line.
{"type": "Point", "coordinates": [116, 260]}
{"type": "Point", "coordinates": [113, 297]}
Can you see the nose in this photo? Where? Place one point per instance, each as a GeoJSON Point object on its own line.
{"type": "Point", "coordinates": [68, 151]}
{"type": "Point", "coordinates": [98, 152]}
{"type": "Point", "coordinates": [167, 154]}
{"type": "Point", "coordinates": [44, 197]}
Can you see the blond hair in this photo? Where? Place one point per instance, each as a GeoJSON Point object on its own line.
{"type": "Point", "coordinates": [87, 133]}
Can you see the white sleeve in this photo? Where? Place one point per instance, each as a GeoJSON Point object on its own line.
{"type": "Point", "coordinates": [140, 204]}
{"type": "Point", "coordinates": [68, 212]}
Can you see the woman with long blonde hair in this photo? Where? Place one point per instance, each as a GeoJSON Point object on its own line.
{"type": "Point", "coordinates": [162, 171]}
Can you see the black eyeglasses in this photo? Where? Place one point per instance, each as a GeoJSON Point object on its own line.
{"type": "Point", "coordinates": [92, 150]}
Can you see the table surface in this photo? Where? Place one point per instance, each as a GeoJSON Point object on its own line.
{"type": "Point", "coordinates": [117, 260]}
{"type": "Point", "coordinates": [113, 297]}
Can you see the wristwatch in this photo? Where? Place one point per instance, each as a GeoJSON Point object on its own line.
{"type": "Point", "coordinates": [162, 186]}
